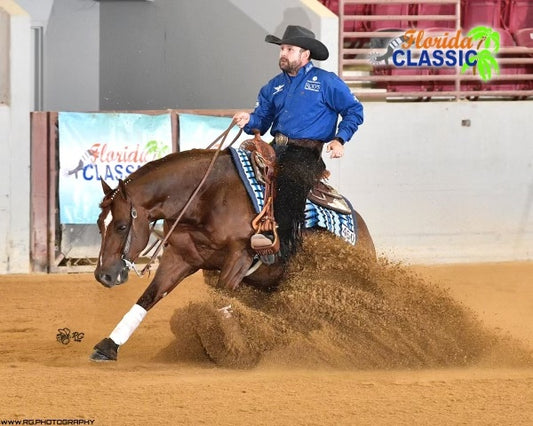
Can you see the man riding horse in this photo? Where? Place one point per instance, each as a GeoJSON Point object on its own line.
{"type": "Point", "coordinates": [301, 105]}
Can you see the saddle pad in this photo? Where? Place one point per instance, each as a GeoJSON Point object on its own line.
{"type": "Point", "coordinates": [342, 225]}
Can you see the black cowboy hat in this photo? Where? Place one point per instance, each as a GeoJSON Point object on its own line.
{"type": "Point", "coordinates": [296, 35]}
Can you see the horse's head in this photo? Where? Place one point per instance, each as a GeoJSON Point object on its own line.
{"type": "Point", "coordinates": [125, 230]}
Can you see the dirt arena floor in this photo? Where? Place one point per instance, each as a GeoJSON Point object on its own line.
{"type": "Point", "coordinates": [418, 344]}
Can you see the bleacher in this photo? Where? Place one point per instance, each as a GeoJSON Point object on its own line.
{"type": "Point", "coordinates": [367, 26]}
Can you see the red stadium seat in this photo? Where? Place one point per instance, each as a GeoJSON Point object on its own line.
{"type": "Point", "coordinates": [435, 9]}
{"type": "Point", "coordinates": [524, 37]}
{"type": "Point", "coordinates": [482, 12]}
{"type": "Point", "coordinates": [508, 70]}
{"type": "Point", "coordinates": [519, 15]}
{"type": "Point", "coordinates": [349, 10]}
{"type": "Point", "coordinates": [392, 9]}
{"type": "Point", "coordinates": [413, 85]}
{"type": "Point", "coordinates": [519, 21]}
{"type": "Point", "coordinates": [506, 39]}
{"type": "Point", "coordinates": [449, 85]}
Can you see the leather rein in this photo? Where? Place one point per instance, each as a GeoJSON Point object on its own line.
{"type": "Point", "coordinates": [161, 242]}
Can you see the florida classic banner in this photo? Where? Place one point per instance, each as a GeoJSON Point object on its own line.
{"type": "Point", "coordinates": [198, 131]}
{"type": "Point", "coordinates": [108, 146]}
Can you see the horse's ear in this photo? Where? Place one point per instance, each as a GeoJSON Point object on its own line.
{"type": "Point", "coordinates": [106, 188]}
{"type": "Point", "coordinates": [122, 187]}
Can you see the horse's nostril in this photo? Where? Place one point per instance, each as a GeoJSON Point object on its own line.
{"type": "Point", "coordinates": [106, 279]}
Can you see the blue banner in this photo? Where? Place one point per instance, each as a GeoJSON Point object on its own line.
{"type": "Point", "coordinates": [108, 146]}
{"type": "Point", "coordinates": [198, 131]}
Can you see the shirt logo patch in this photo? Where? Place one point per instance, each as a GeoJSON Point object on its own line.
{"type": "Point", "coordinates": [313, 84]}
{"type": "Point", "coordinates": [278, 89]}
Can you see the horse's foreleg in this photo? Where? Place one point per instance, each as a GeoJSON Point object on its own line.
{"type": "Point", "coordinates": [169, 274]}
{"type": "Point", "coordinates": [236, 265]}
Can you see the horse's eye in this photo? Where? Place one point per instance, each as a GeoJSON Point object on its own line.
{"type": "Point", "coordinates": [121, 228]}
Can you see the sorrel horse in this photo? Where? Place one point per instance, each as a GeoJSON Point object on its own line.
{"type": "Point", "coordinates": [213, 233]}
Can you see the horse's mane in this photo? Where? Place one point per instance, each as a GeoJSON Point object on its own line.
{"type": "Point", "coordinates": [148, 168]}
{"type": "Point", "coordinates": [108, 199]}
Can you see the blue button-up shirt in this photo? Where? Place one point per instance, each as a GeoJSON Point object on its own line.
{"type": "Point", "coordinates": [307, 106]}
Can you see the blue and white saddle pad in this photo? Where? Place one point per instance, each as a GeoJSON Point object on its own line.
{"type": "Point", "coordinates": [342, 225]}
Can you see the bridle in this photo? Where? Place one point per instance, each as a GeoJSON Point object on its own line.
{"type": "Point", "coordinates": [129, 264]}
{"type": "Point", "coordinates": [127, 243]}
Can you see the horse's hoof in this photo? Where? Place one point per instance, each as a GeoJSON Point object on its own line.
{"type": "Point", "coordinates": [105, 350]}
{"type": "Point", "coordinates": [98, 356]}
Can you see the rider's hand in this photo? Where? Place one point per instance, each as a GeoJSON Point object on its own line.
{"type": "Point", "coordinates": [335, 148]}
{"type": "Point", "coordinates": [241, 118]}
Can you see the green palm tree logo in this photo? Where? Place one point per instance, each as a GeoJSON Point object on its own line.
{"type": "Point", "coordinates": [486, 61]}
{"type": "Point", "coordinates": [157, 148]}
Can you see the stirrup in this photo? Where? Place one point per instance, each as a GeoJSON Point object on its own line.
{"type": "Point", "coordinates": [260, 241]}
{"type": "Point", "coordinates": [266, 246]}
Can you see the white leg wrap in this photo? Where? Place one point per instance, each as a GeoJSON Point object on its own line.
{"type": "Point", "coordinates": [128, 324]}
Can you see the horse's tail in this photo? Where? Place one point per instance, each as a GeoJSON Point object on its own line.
{"type": "Point", "coordinates": [298, 171]}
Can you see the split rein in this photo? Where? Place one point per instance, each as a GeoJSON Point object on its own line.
{"type": "Point", "coordinates": [161, 242]}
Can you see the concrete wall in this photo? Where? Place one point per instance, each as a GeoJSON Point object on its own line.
{"type": "Point", "coordinates": [444, 182]}
{"type": "Point", "coordinates": [178, 54]}
{"type": "Point", "coordinates": [135, 55]}
{"type": "Point", "coordinates": [197, 54]}
{"type": "Point", "coordinates": [4, 57]}
{"type": "Point", "coordinates": [15, 141]}
{"type": "Point", "coordinates": [72, 56]}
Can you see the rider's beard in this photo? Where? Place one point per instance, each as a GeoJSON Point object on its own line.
{"type": "Point", "coordinates": [288, 66]}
